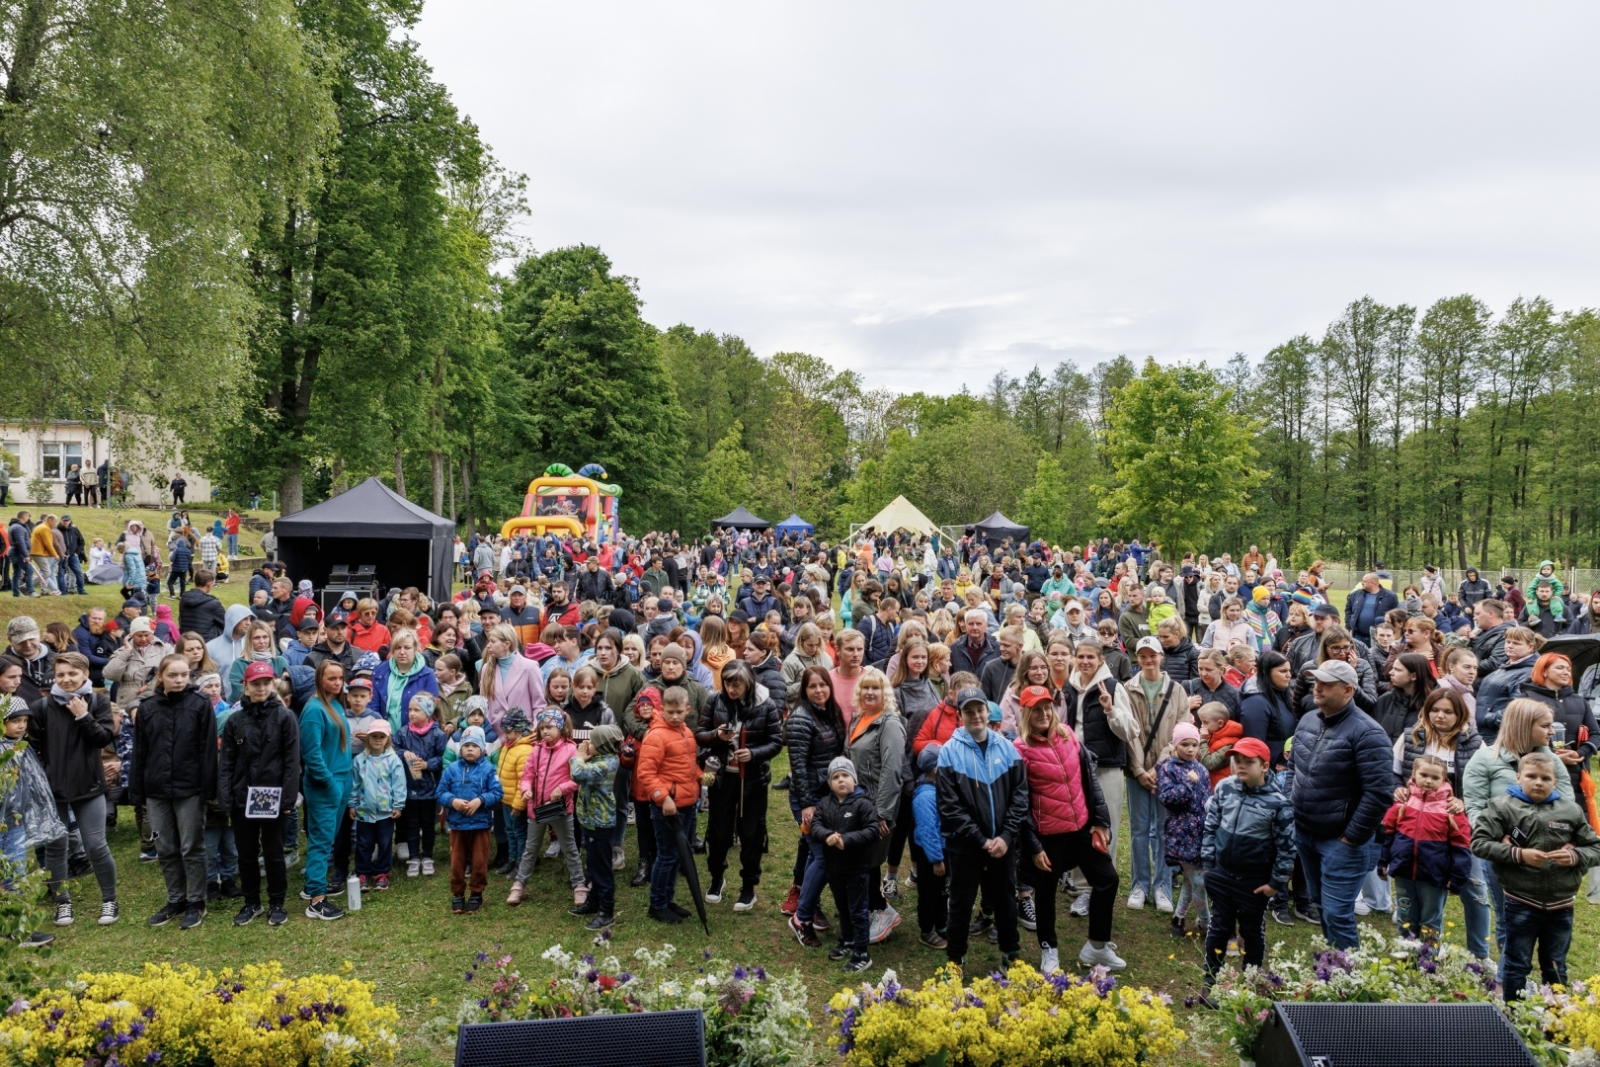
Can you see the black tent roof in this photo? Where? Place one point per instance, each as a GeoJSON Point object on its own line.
{"type": "Point", "coordinates": [997, 527]}
{"type": "Point", "coordinates": [740, 519]}
{"type": "Point", "coordinates": [371, 509]}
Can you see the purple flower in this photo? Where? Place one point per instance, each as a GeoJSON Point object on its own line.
{"type": "Point", "coordinates": [591, 975]}
{"type": "Point", "coordinates": [58, 1013]}
{"type": "Point", "coordinates": [1188, 1002]}
{"type": "Point", "coordinates": [484, 1002]}
{"type": "Point", "coordinates": [740, 973]}
{"type": "Point", "coordinates": [154, 1057]}
{"type": "Point", "coordinates": [624, 977]}
{"type": "Point", "coordinates": [482, 957]}
{"type": "Point", "coordinates": [469, 976]}
{"type": "Point", "coordinates": [1104, 984]}
{"type": "Point", "coordinates": [136, 1030]}
{"type": "Point", "coordinates": [708, 955]}
{"type": "Point", "coordinates": [285, 1020]}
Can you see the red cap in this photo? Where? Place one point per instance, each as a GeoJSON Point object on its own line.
{"type": "Point", "coordinates": [1034, 694]}
{"type": "Point", "coordinates": [1252, 746]}
{"type": "Point", "coordinates": [259, 669]}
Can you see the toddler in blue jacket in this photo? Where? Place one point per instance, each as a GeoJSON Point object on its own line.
{"type": "Point", "coordinates": [468, 792]}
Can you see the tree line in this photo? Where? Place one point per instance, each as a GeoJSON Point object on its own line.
{"type": "Point", "coordinates": [266, 224]}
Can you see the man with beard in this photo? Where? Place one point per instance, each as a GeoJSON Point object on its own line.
{"type": "Point", "coordinates": [95, 642]}
{"type": "Point", "coordinates": [335, 644]}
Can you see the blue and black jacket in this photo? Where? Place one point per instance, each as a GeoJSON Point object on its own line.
{"type": "Point", "coordinates": [982, 792]}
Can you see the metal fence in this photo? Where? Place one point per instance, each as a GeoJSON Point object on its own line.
{"type": "Point", "coordinates": [1577, 581]}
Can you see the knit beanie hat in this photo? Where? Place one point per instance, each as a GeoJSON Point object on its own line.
{"type": "Point", "coordinates": [841, 763]}
{"type": "Point", "coordinates": [1184, 732]}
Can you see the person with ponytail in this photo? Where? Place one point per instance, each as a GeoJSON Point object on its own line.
{"type": "Point", "coordinates": [506, 678]}
{"type": "Point", "coordinates": [325, 759]}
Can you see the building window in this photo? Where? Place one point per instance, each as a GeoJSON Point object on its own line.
{"type": "Point", "coordinates": [11, 453]}
{"type": "Point", "coordinates": [57, 457]}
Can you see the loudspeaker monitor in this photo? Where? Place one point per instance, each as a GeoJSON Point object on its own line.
{"type": "Point", "coordinates": [1389, 1035]}
{"type": "Point", "coordinates": [644, 1039]}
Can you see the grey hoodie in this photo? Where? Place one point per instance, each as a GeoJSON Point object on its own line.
{"type": "Point", "coordinates": [225, 649]}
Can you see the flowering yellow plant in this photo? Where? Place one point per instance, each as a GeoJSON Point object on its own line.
{"type": "Point", "coordinates": [181, 1016]}
{"type": "Point", "coordinates": [1019, 1019]}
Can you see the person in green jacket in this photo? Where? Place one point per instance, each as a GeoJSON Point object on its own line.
{"type": "Point", "coordinates": [325, 756]}
{"type": "Point", "coordinates": [1540, 844]}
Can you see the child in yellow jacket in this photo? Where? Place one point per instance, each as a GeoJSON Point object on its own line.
{"type": "Point", "coordinates": [516, 732]}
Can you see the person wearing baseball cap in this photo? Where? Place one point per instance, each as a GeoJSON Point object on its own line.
{"type": "Point", "coordinates": [1303, 649]}
{"type": "Point", "coordinates": [983, 807]}
{"type": "Point", "coordinates": [260, 750]}
{"type": "Point", "coordinates": [335, 643]}
{"type": "Point", "coordinates": [1157, 704]}
{"type": "Point", "coordinates": [1340, 777]}
{"type": "Point", "coordinates": [1247, 850]}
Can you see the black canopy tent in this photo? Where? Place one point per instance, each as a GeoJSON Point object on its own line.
{"type": "Point", "coordinates": [739, 519]}
{"type": "Point", "coordinates": [370, 525]}
{"type": "Point", "coordinates": [997, 528]}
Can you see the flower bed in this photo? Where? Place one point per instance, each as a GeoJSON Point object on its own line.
{"type": "Point", "coordinates": [753, 1018]}
{"type": "Point", "coordinates": [183, 1017]}
{"type": "Point", "coordinates": [1018, 1019]}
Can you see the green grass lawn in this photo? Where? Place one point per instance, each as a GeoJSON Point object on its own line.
{"type": "Point", "coordinates": [415, 952]}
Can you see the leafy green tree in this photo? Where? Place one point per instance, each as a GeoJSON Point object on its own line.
{"type": "Point", "coordinates": [725, 480]}
{"type": "Point", "coordinates": [1182, 459]}
{"type": "Point", "coordinates": [1050, 505]}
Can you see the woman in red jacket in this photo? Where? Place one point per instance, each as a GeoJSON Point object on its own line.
{"type": "Point", "coordinates": [1068, 828]}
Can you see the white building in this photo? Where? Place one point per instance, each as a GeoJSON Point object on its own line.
{"type": "Point", "coordinates": [49, 450]}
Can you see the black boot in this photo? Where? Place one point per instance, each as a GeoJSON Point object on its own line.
{"type": "Point", "coordinates": [641, 877]}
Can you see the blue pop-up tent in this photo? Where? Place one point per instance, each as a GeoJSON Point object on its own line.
{"type": "Point", "coordinates": [795, 526]}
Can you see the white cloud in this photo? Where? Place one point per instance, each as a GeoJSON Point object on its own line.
{"type": "Point", "coordinates": [926, 192]}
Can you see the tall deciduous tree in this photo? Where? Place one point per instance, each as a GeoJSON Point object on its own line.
{"type": "Point", "coordinates": [1183, 461]}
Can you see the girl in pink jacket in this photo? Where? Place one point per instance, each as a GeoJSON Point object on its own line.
{"type": "Point", "coordinates": [547, 779]}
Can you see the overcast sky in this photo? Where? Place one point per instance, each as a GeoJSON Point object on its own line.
{"type": "Point", "coordinates": [930, 192]}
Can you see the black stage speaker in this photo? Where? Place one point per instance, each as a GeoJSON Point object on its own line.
{"type": "Point", "coordinates": [1387, 1035]}
{"type": "Point", "coordinates": [645, 1039]}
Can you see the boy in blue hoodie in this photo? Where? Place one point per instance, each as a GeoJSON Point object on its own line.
{"type": "Point", "coordinates": [468, 791]}
{"type": "Point", "coordinates": [377, 801]}
{"type": "Point", "coordinates": [927, 851]}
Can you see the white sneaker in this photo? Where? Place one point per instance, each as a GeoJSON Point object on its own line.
{"type": "Point", "coordinates": [1362, 907]}
{"type": "Point", "coordinates": [618, 859]}
{"type": "Point", "coordinates": [881, 923]}
{"type": "Point", "coordinates": [553, 851]}
{"type": "Point", "coordinates": [427, 868]}
{"type": "Point", "coordinates": [890, 887]}
{"type": "Point", "coordinates": [402, 851]}
{"type": "Point", "coordinates": [1163, 901]}
{"type": "Point", "coordinates": [413, 868]}
{"type": "Point", "coordinates": [1049, 961]}
{"type": "Point", "coordinates": [1080, 906]}
{"type": "Point", "coordinates": [1136, 898]}
{"type": "Point", "coordinates": [1105, 957]}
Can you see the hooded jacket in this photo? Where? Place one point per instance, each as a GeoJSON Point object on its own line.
{"type": "Point", "coordinates": [1249, 832]}
{"type": "Point", "coordinates": [1546, 826]}
{"type": "Point", "coordinates": [982, 792]}
{"type": "Point", "coordinates": [1269, 718]}
{"type": "Point", "coordinates": [1181, 663]}
{"type": "Point", "coordinates": [812, 744]}
{"type": "Point", "coordinates": [1154, 724]}
{"type": "Point", "coordinates": [377, 785]}
{"type": "Point", "coordinates": [225, 649]}
{"type": "Point", "coordinates": [1426, 843]}
{"type": "Point", "coordinates": [1574, 713]}
{"type": "Point", "coordinates": [1185, 800]}
{"type": "Point", "coordinates": [467, 780]}
{"type": "Point", "coordinates": [878, 749]}
{"type": "Point", "coordinates": [202, 613]}
{"type": "Point", "coordinates": [697, 670]}
{"type": "Point", "coordinates": [99, 648]}
{"type": "Point", "coordinates": [759, 721]}
{"type": "Point", "coordinates": [260, 746]}
{"type": "Point", "coordinates": [1105, 731]}
{"type": "Point", "coordinates": [666, 764]}
{"type": "Point", "coordinates": [795, 664]}
{"type": "Point", "coordinates": [854, 819]}
{"type": "Point", "coordinates": [1496, 692]}
{"type": "Point", "coordinates": [174, 748]}
{"type": "Point", "coordinates": [325, 752]}
{"type": "Point", "coordinates": [429, 747]}
{"type": "Point", "coordinates": [619, 689]}
{"type": "Point", "coordinates": [70, 748]}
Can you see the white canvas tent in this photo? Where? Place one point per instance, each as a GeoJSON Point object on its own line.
{"type": "Point", "coordinates": [899, 514]}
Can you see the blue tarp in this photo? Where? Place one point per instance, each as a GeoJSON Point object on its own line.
{"type": "Point", "coordinates": [794, 524]}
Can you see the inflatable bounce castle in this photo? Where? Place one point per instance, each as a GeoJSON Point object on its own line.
{"type": "Point", "coordinates": [560, 502]}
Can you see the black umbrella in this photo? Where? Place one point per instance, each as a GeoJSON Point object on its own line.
{"type": "Point", "coordinates": [1582, 649]}
{"type": "Point", "coordinates": [691, 874]}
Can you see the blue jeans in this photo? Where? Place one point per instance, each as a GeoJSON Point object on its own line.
{"type": "Point", "coordinates": [21, 576]}
{"type": "Point", "coordinates": [1147, 832]}
{"type": "Point", "coordinates": [233, 545]}
{"type": "Point", "coordinates": [1497, 902]}
{"type": "Point", "coordinates": [516, 835]}
{"type": "Point", "coordinates": [1420, 907]}
{"type": "Point", "coordinates": [1475, 911]}
{"type": "Point", "coordinates": [1334, 874]}
{"type": "Point", "coordinates": [1553, 932]}
{"type": "Point", "coordinates": [664, 875]}
{"type": "Point", "coordinates": [816, 877]}
{"type": "Point", "coordinates": [73, 571]}
{"type": "Point", "coordinates": [222, 854]}
{"type": "Point", "coordinates": [14, 849]}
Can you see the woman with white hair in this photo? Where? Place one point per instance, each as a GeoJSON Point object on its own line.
{"type": "Point", "coordinates": [876, 744]}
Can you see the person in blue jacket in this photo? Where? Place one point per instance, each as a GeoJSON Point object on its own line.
{"type": "Point", "coordinates": [927, 851]}
{"type": "Point", "coordinates": [469, 791]}
{"type": "Point", "coordinates": [325, 761]}
{"type": "Point", "coordinates": [400, 677]}
{"type": "Point", "coordinates": [421, 746]}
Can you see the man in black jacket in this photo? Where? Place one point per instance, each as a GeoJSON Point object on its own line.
{"type": "Point", "coordinates": [260, 747]}
{"type": "Point", "coordinates": [977, 649]}
{"type": "Point", "coordinates": [1490, 644]}
{"type": "Point", "coordinates": [77, 552]}
{"type": "Point", "coordinates": [1473, 589]}
{"type": "Point", "coordinates": [744, 734]}
{"type": "Point", "coordinates": [335, 644]}
{"type": "Point", "coordinates": [1340, 781]}
{"type": "Point", "coordinates": [594, 583]}
{"type": "Point", "coordinates": [96, 642]}
{"type": "Point", "coordinates": [198, 610]}
{"type": "Point", "coordinates": [998, 672]}
{"type": "Point", "coordinates": [173, 773]}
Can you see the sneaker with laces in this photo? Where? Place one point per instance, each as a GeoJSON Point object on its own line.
{"type": "Point", "coordinates": [881, 924]}
{"type": "Point", "coordinates": [857, 964]}
{"type": "Point", "coordinates": [600, 922]}
{"type": "Point", "coordinates": [381, 882]}
{"type": "Point", "coordinates": [714, 891]}
{"type": "Point", "coordinates": [804, 933]}
{"type": "Point", "coordinates": [820, 922]}
{"type": "Point", "coordinates": [791, 902]}
{"type": "Point", "coordinates": [980, 925]}
{"type": "Point", "coordinates": [1308, 912]}
{"type": "Point", "coordinates": [167, 913]}
{"type": "Point", "coordinates": [1163, 901]}
{"type": "Point", "coordinates": [839, 952]}
{"type": "Point", "coordinates": [193, 916]}
{"type": "Point", "coordinates": [324, 909]}
{"type": "Point", "coordinates": [413, 868]}
{"type": "Point", "coordinates": [1136, 898]}
{"type": "Point", "coordinates": [1049, 961]}
{"type": "Point", "coordinates": [427, 867]}
{"type": "Point", "coordinates": [109, 912]}
{"type": "Point", "coordinates": [890, 886]}
{"type": "Point", "coordinates": [1362, 907]}
{"type": "Point", "coordinates": [553, 851]}
{"type": "Point", "coordinates": [1105, 956]}
{"type": "Point", "coordinates": [747, 899]}
{"type": "Point", "coordinates": [933, 939]}
{"type": "Point", "coordinates": [38, 939]}
{"type": "Point", "coordinates": [1080, 906]}
{"type": "Point", "coordinates": [1028, 913]}
{"type": "Point", "coordinates": [277, 916]}
{"type": "Point", "coordinates": [1282, 916]}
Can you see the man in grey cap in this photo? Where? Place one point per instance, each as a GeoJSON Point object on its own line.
{"type": "Point", "coordinates": [1340, 781]}
{"type": "Point", "coordinates": [36, 657]}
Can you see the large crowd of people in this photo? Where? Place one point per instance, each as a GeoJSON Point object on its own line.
{"type": "Point", "coordinates": [966, 722]}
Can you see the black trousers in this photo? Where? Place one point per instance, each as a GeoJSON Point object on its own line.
{"type": "Point", "coordinates": [263, 839]}
{"type": "Point", "coordinates": [1068, 851]}
{"type": "Point", "coordinates": [1235, 906]}
{"type": "Point", "coordinates": [724, 817]}
{"type": "Point", "coordinates": [901, 832]}
{"type": "Point", "coordinates": [933, 910]}
{"type": "Point", "coordinates": [850, 898]}
{"type": "Point", "coordinates": [968, 871]}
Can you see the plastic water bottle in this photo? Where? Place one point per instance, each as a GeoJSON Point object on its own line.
{"type": "Point", "coordinates": [352, 893]}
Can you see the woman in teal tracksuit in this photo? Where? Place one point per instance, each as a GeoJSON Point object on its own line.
{"type": "Point", "coordinates": [325, 756]}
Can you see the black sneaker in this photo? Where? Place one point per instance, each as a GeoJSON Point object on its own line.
{"type": "Point", "coordinates": [109, 913]}
{"type": "Point", "coordinates": [804, 933]}
{"type": "Point", "coordinates": [38, 939]}
{"type": "Point", "coordinates": [714, 891]}
{"type": "Point", "coordinates": [1281, 915]}
{"type": "Point", "coordinates": [781, 783]}
{"type": "Point", "coordinates": [325, 910]}
{"type": "Point", "coordinates": [600, 922]}
{"type": "Point", "coordinates": [474, 902]}
{"type": "Point", "coordinates": [64, 913]}
{"type": "Point", "coordinates": [277, 916]}
{"type": "Point", "coordinates": [247, 914]}
{"type": "Point", "coordinates": [857, 964]}
{"type": "Point", "coordinates": [231, 890]}
{"type": "Point", "coordinates": [1176, 929]}
{"type": "Point", "coordinates": [148, 855]}
{"type": "Point", "coordinates": [934, 939]}
{"type": "Point", "coordinates": [747, 899]}
{"type": "Point", "coordinates": [167, 913]}
{"type": "Point", "coordinates": [588, 907]}
{"type": "Point", "coordinates": [678, 909]}
{"type": "Point", "coordinates": [336, 882]}
{"type": "Point", "coordinates": [980, 925]}
{"type": "Point", "coordinates": [1308, 912]}
{"type": "Point", "coordinates": [671, 918]}
{"type": "Point", "coordinates": [641, 877]}
{"type": "Point", "coordinates": [840, 951]}
{"type": "Point", "coordinates": [193, 916]}
{"type": "Point", "coordinates": [458, 905]}
{"type": "Point", "coordinates": [1027, 913]}
{"type": "Point", "coordinates": [213, 892]}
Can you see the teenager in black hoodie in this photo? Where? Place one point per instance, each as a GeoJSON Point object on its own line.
{"type": "Point", "coordinates": [260, 747]}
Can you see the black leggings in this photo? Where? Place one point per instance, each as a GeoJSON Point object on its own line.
{"type": "Point", "coordinates": [1068, 851]}
{"type": "Point", "coordinates": [263, 838]}
{"type": "Point", "coordinates": [901, 832]}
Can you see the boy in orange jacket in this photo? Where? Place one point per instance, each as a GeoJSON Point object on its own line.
{"type": "Point", "coordinates": [669, 777]}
